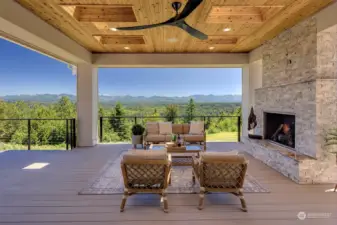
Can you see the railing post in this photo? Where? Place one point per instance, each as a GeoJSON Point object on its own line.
{"type": "Point", "coordinates": [71, 134]}
{"type": "Point", "coordinates": [74, 133]}
{"type": "Point", "coordinates": [101, 129]}
{"type": "Point", "coordinates": [239, 128]}
{"type": "Point", "coordinates": [204, 123]}
{"type": "Point", "coordinates": [67, 134]}
{"type": "Point", "coordinates": [29, 130]}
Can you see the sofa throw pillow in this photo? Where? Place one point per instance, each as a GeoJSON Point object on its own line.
{"type": "Point", "coordinates": [165, 128]}
{"type": "Point", "coordinates": [196, 127]}
{"type": "Point", "coordinates": [152, 128]}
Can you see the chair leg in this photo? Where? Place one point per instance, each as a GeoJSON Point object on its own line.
{"type": "Point", "coordinates": [125, 197]}
{"type": "Point", "coordinates": [335, 188]}
{"type": "Point", "coordinates": [164, 197]}
{"type": "Point", "coordinates": [201, 198]}
{"type": "Point", "coordinates": [243, 201]}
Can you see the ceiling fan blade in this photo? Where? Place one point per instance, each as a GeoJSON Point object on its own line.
{"type": "Point", "coordinates": [192, 31]}
{"type": "Point", "coordinates": [141, 27]}
{"type": "Point", "coordinates": [191, 5]}
{"type": "Point", "coordinates": [168, 22]}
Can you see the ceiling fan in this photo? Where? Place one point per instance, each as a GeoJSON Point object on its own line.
{"type": "Point", "coordinates": [177, 21]}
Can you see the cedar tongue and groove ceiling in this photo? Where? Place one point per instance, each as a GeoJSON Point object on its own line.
{"type": "Point", "coordinates": [231, 25]}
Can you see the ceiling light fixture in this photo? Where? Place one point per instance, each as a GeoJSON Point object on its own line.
{"type": "Point", "coordinates": [113, 29]}
{"type": "Point", "coordinates": [211, 48]}
{"type": "Point", "coordinates": [227, 29]}
{"type": "Point", "coordinates": [126, 47]}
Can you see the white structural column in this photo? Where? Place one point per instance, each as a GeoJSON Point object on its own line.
{"type": "Point", "coordinates": [245, 99]}
{"type": "Point", "coordinates": [87, 105]}
{"type": "Point", "coordinates": [251, 80]}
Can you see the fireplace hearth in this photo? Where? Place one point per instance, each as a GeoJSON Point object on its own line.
{"type": "Point", "coordinates": [280, 128]}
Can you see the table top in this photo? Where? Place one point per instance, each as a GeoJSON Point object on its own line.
{"type": "Point", "coordinates": [189, 148]}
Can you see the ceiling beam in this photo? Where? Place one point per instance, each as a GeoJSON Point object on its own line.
{"type": "Point", "coordinates": [171, 60]}
{"type": "Point", "coordinates": [19, 25]}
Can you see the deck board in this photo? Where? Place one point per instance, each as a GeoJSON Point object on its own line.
{"type": "Point", "coordinates": [49, 196]}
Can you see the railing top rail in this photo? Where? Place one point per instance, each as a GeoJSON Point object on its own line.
{"type": "Point", "coordinates": [154, 117]}
{"type": "Point", "coordinates": [38, 119]}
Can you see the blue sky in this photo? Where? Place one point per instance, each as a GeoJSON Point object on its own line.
{"type": "Point", "coordinates": [23, 71]}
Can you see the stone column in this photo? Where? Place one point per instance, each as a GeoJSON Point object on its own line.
{"type": "Point", "coordinates": [87, 105]}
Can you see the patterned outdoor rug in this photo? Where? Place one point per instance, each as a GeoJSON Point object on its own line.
{"type": "Point", "coordinates": [109, 181]}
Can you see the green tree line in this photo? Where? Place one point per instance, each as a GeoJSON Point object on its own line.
{"type": "Point", "coordinates": [115, 127]}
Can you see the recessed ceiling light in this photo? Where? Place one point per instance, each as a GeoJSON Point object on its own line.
{"type": "Point", "coordinates": [113, 29]}
{"type": "Point", "coordinates": [126, 47]}
{"type": "Point", "coordinates": [172, 40]}
{"type": "Point", "coordinates": [227, 29]}
{"type": "Point", "coordinates": [211, 48]}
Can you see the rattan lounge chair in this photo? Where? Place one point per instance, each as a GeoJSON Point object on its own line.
{"type": "Point", "coordinates": [146, 172]}
{"type": "Point", "coordinates": [220, 172]}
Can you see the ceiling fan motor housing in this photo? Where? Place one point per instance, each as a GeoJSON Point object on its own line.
{"type": "Point", "coordinates": [176, 6]}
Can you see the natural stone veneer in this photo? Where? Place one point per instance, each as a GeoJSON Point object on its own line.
{"type": "Point", "coordinates": [273, 158]}
{"type": "Point", "coordinates": [300, 77]}
{"type": "Point", "coordinates": [298, 99]}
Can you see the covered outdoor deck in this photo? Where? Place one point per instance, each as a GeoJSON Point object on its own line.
{"type": "Point", "coordinates": [50, 195]}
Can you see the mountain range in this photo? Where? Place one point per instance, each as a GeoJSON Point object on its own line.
{"type": "Point", "coordinates": [127, 99]}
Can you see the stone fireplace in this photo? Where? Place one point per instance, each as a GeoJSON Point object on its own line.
{"type": "Point", "coordinates": [280, 128]}
{"type": "Point", "coordinates": [296, 102]}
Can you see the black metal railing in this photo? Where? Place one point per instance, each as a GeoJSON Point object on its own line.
{"type": "Point", "coordinates": [37, 134]}
{"type": "Point", "coordinates": [218, 128]}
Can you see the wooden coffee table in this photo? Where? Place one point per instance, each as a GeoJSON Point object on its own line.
{"type": "Point", "coordinates": [181, 156]}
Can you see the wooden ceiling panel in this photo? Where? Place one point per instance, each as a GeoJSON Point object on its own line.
{"type": "Point", "coordinates": [103, 13]}
{"type": "Point", "coordinates": [241, 14]}
{"type": "Point", "coordinates": [120, 39]}
{"type": "Point", "coordinates": [251, 22]}
{"type": "Point", "coordinates": [221, 40]}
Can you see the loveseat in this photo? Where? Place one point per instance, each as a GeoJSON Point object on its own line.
{"type": "Point", "coordinates": [153, 136]}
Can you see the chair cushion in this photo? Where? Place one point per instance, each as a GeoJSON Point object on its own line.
{"type": "Point", "coordinates": [222, 157]}
{"type": "Point", "coordinates": [177, 128]}
{"type": "Point", "coordinates": [143, 155]}
{"type": "Point", "coordinates": [158, 138]}
{"type": "Point", "coordinates": [152, 128]}
{"type": "Point", "coordinates": [196, 127]}
{"type": "Point", "coordinates": [165, 128]}
{"type": "Point", "coordinates": [193, 137]}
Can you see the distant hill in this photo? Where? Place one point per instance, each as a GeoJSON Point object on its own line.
{"type": "Point", "coordinates": [127, 99]}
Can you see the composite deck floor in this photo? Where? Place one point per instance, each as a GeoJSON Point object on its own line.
{"type": "Point", "coordinates": [49, 196]}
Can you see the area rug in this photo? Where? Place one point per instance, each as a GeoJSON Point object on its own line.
{"type": "Point", "coordinates": [109, 181]}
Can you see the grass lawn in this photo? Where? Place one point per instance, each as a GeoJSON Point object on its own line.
{"type": "Point", "coordinates": [223, 136]}
{"type": "Point", "coordinates": [9, 146]}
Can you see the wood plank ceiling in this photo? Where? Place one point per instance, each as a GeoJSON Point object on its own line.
{"type": "Point", "coordinates": [232, 25]}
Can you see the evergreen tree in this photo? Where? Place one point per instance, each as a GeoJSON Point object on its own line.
{"type": "Point", "coordinates": [118, 123]}
{"type": "Point", "coordinates": [65, 108]}
{"type": "Point", "coordinates": [190, 111]}
{"type": "Point", "coordinates": [171, 112]}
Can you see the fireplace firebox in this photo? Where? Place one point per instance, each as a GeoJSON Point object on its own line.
{"type": "Point", "coordinates": [280, 128]}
